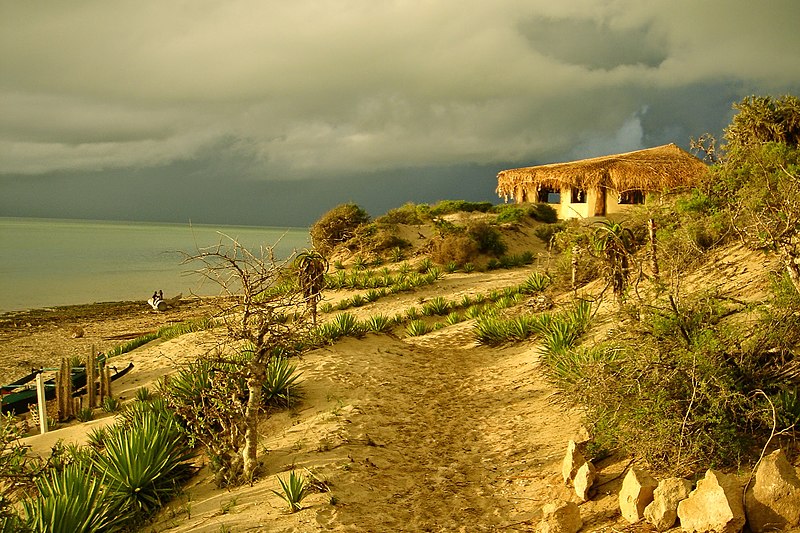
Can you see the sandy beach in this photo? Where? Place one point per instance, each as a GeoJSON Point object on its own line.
{"type": "Point", "coordinates": [430, 433]}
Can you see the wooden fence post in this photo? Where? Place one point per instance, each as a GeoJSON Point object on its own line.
{"type": "Point", "coordinates": [90, 377]}
{"type": "Point", "coordinates": [42, 403]}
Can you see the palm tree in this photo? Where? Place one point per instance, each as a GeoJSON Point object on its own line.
{"type": "Point", "coordinates": [311, 270]}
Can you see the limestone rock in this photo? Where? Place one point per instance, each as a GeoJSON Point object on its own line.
{"type": "Point", "coordinates": [772, 501]}
{"type": "Point", "coordinates": [572, 462]}
{"type": "Point", "coordinates": [663, 511]}
{"type": "Point", "coordinates": [715, 505]}
{"type": "Point", "coordinates": [584, 479]}
{"type": "Point", "coordinates": [636, 493]}
{"type": "Point", "coordinates": [560, 517]}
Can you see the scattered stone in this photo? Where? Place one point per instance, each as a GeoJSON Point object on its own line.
{"type": "Point", "coordinates": [715, 505]}
{"type": "Point", "coordinates": [540, 303]}
{"type": "Point", "coordinates": [76, 332]}
{"type": "Point", "coordinates": [560, 517]}
{"type": "Point", "coordinates": [572, 462]}
{"type": "Point", "coordinates": [636, 493]}
{"type": "Point", "coordinates": [663, 511]}
{"type": "Point", "coordinates": [584, 479]}
{"type": "Point", "coordinates": [772, 501]}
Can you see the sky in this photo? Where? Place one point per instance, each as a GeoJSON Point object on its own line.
{"type": "Point", "coordinates": [264, 112]}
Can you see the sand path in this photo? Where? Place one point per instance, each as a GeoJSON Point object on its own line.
{"type": "Point", "coordinates": [421, 434]}
{"type": "Point", "coordinates": [430, 433]}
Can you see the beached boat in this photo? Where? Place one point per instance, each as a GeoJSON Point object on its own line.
{"type": "Point", "coordinates": [18, 395]}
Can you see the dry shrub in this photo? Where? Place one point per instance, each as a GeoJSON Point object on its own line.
{"type": "Point", "coordinates": [455, 248]}
{"type": "Point", "coordinates": [337, 226]}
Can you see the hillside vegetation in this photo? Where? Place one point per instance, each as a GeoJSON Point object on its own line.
{"type": "Point", "coordinates": [664, 363]}
{"type": "Point", "coordinates": [448, 351]}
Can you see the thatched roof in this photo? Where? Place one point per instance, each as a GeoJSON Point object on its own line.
{"type": "Point", "coordinates": [653, 169]}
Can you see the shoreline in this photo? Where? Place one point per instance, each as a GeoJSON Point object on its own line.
{"type": "Point", "coordinates": [40, 337]}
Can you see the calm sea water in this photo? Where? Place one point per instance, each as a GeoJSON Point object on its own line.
{"type": "Point", "coordinates": [48, 262]}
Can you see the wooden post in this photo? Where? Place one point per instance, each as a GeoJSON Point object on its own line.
{"type": "Point", "coordinates": [90, 377]}
{"type": "Point", "coordinates": [575, 252]}
{"type": "Point", "coordinates": [61, 400]}
{"type": "Point", "coordinates": [651, 227]}
{"type": "Point", "coordinates": [42, 406]}
{"type": "Point", "coordinates": [105, 383]}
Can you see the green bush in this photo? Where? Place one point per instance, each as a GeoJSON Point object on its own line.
{"type": "Point", "coordinates": [509, 213]}
{"type": "Point", "coordinates": [543, 213]}
{"type": "Point", "coordinates": [410, 214]}
{"type": "Point", "coordinates": [487, 238]}
{"type": "Point", "coordinates": [337, 226]}
{"type": "Point", "coordinates": [546, 233]}
{"type": "Point", "coordinates": [447, 207]}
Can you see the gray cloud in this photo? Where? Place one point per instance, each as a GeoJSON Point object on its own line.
{"type": "Point", "coordinates": [313, 90]}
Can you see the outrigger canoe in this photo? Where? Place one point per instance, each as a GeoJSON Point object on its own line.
{"type": "Point", "coordinates": [18, 395]}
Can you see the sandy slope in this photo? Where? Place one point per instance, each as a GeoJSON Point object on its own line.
{"type": "Point", "coordinates": [430, 433]}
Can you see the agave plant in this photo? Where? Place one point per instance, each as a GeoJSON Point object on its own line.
{"type": "Point", "coordinates": [453, 318]}
{"type": "Point", "coordinates": [97, 437]}
{"type": "Point", "coordinates": [143, 462]}
{"type": "Point", "coordinates": [110, 404]}
{"type": "Point", "coordinates": [379, 323]}
{"type": "Point", "coordinates": [372, 295]}
{"type": "Point", "coordinates": [491, 330]}
{"type": "Point", "coordinates": [281, 377]}
{"type": "Point", "coordinates": [424, 266]}
{"type": "Point", "coordinates": [73, 500]}
{"type": "Point", "coordinates": [436, 306]}
{"type": "Point", "coordinates": [536, 282]}
{"type": "Point", "coordinates": [346, 325]}
{"type": "Point", "coordinates": [474, 311]}
{"type": "Point", "coordinates": [293, 490]}
{"type": "Point", "coordinates": [416, 328]}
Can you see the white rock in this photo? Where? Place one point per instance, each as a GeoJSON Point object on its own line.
{"type": "Point", "coordinates": [715, 505]}
{"type": "Point", "coordinates": [572, 462]}
{"type": "Point", "coordinates": [663, 511]}
{"type": "Point", "coordinates": [560, 517]}
{"type": "Point", "coordinates": [773, 498]}
{"type": "Point", "coordinates": [584, 479]}
{"type": "Point", "coordinates": [636, 493]}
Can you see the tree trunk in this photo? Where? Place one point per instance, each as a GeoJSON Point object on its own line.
{"type": "Point", "coordinates": [250, 451]}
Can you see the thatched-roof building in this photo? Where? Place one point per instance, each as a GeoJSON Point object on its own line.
{"type": "Point", "coordinates": [602, 185]}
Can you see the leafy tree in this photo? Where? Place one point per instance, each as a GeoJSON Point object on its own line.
{"type": "Point", "coordinates": [759, 172]}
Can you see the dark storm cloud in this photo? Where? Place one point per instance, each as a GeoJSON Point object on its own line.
{"type": "Point", "coordinates": [165, 100]}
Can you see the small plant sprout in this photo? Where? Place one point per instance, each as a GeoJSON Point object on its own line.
{"type": "Point", "coordinates": [293, 490]}
{"type": "Point", "coordinates": [85, 414]}
{"type": "Point", "coordinates": [143, 394]}
{"type": "Point", "coordinates": [110, 404]}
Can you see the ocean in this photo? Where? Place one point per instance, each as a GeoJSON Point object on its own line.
{"type": "Point", "coordinates": [48, 262]}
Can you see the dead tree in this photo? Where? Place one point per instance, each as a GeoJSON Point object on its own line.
{"type": "Point", "coordinates": [262, 320]}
